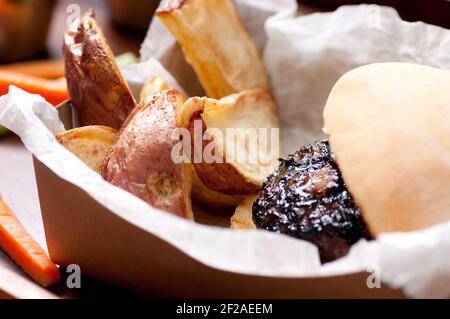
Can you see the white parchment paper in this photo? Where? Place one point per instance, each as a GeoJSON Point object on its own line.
{"type": "Point", "coordinates": [304, 57]}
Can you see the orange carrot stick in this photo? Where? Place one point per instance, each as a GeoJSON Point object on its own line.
{"type": "Point", "coordinates": [49, 69]}
{"type": "Point", "coordinates": [53, 91]}
{"type": "Point", "coordinates": [24, 250]}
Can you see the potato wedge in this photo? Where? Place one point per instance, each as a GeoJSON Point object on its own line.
{"type": "Point", "coordinates": [97, 88]}
{"type": "Point", "coordinates": [243, 217]}
{"type": "Point", "coordinates": [238, 137]}
{"type": "Point", "coordinates": [154, 85]}
{"type": "Point", "coordinates": [140, 160]}
{"type": "Point", "coordinates": [217, 45]}
{"type": "Point", "coordinates": [209, 197]}
{"type": "Point", "coordinates": [200, 192]}
{"type": "Point", "coordinates": [90, 144]}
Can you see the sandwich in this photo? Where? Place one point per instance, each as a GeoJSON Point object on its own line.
{"type": "Point", "coordinates": [385, 166]}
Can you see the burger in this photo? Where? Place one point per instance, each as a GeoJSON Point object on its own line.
{"type": "Point", "coordinates": [384, 167]}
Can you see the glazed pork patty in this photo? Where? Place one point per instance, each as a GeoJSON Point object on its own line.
{"type": "Point", "coordinates": [306, 198]}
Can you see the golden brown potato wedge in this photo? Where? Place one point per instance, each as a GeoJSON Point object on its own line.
{"type": "Point", "coordinates": [90, 144]}
{"type": "Point", "coordinates": [154, 85]}
{"type": "Point", "coordinates": [217, 45]}
{"type": "Point", "coordinates": [212, 198]}
{"type": "Point", "coordinates": [238, 137]}
{"type": "Point", "coordinates": [97, 89]}
{"type": "Point", "coordinates": [243, 217]}
{"type": "Point", "coordinates": [140, 160]}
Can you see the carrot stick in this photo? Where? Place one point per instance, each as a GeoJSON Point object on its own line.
{"type": "Point", "coordinates": [53, 91]}
{"type": "Point", "coordinates": [49, 69]}
{"type": "Point", "coordinates": [24, 250]}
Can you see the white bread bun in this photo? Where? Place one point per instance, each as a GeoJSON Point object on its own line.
{"type": "Point", "coordinates": [389, 126]}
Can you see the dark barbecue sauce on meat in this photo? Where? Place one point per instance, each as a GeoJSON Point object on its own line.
{"type": "Point", "coordinates": [306, 198]}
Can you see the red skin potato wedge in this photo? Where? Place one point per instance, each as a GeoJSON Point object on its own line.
{"type": "Point", "coordinates": [97, 88]}
{"type": "Point", "coordinates": [140, 159]}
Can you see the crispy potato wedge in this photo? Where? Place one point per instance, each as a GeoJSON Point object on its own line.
{"type": "Point", "coordinates": [154, 85]}
{"type": "Point", "coordinates": [140, 160]}
{"type": "Point", "coordinates": [90, 144]}
{"type": "Point", "coordinates": [243, 217]}
{"type": "Point", "coordinates": [217, 45]}
{"type": "Point", "coordinates": [97, 89]}
{"type": "Point", "coordinates": [238, 137]}
{"type": "Point", "coordinates": [209, 197]}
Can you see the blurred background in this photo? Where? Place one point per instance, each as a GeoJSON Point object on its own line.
{"type": "Point", "coordinates": [435, 12]}
{"type": "Point", "coordinates": [32, 29]}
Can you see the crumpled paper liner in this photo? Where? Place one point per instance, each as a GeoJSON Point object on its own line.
{"type": "Point", "coordinates": [304, 57]}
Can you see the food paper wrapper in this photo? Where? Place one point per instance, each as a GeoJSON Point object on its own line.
{"type": "Point", "coordinates": [304, 57]}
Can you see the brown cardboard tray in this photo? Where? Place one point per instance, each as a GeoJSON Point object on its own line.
{"type": "Point", "coordinates": [81, 231]}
